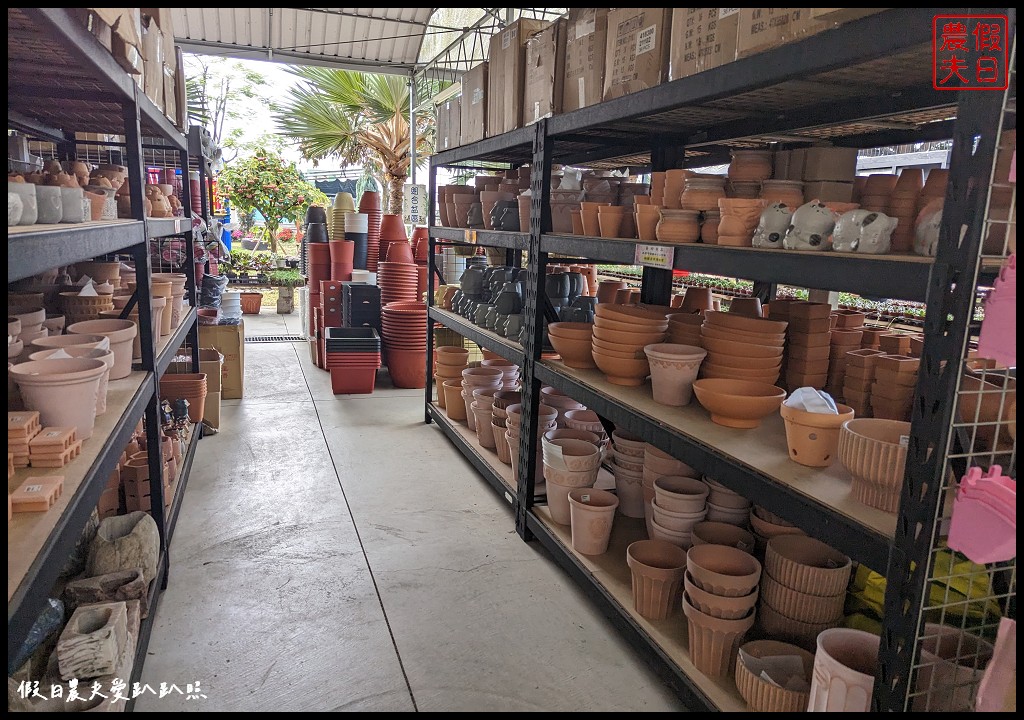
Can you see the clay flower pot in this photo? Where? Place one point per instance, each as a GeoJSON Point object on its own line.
{"type": "Point", "coordinates": [844, 671]}
{"type": "Point", "coordinates": [953, 664]}
{"type": "Point", "coordinates": [607, 289]}
{"type": "Point", "coordinates": [696, 300]}
{"type": "Point", "coordinates": [808, 565]}
{"type": "Point", "coordinates": [677, 227]}
{"type": "Point", "coordinates": [710, 532]}
{"type": "Point", "coordinates": [78, 351]}
{"type": "Point", "coordinates": [722, 570]}
{"type": "Point", "coordinates": [714, 641]}
{"type": "Point", "coordinates": [558, 497]}
{"type": "Point", "coordinates": [591, 513]}
{"type": "Point", "coordinates": [764, 696]}
{"type": "Point", "coordinates": [871, 449]}
{"type": "Point", "coordinates": [680, 494]}
{"type": "Point", "coordinates": [570, 454]}
{"type": "Point", "coordinates": [484, 429]}
{"type": "Point", "coordinates": [124, 542]}
{"type": "Point", "coordinates": [813, 438]}
{"type": "Point", "coordinates": [657, 570]}
{"type": "Point", "coordinates": [609, 224]}
{"type": "Point", "coordinates": [454, 405]}
{"type": "Point", "coordinates": [738, 403]}
{"type": "Point", "coordinates": [719, 606]}
{"type": "Point", "coordinates": [796, 605]}
{"type": "Point", "coordinates": [673, 370]}
{"type": "Point", "coordinates": [63, 391]}
{"type": "Point", "coordinates": [121, 334]}
{"type": "Point", "coordinates": [750, 165]}
{"type": "Point", "coordinates": [629, 488]}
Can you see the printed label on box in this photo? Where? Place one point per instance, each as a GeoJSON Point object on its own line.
{"type": "Point", "coordinates": [726, 12]}
{"type": "Point", "coordinates": [507, 37]}
{"type": "Point", "coordinates": [32, 488]}
{"type": "Point", "coordinates": [585, 27]}
{"type": "Point", "coordinates": [477, 97]}
{"type": "Point", "coordinates": [655, 256]}
{"type": "Point", "coordinates": [647, 40]}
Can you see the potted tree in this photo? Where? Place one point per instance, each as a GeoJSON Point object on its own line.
{"type": "Point", "coordinates": [286, 281]}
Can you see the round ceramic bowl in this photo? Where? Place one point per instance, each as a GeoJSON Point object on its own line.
{"type": "Point", "coordinates": [617, 349]}
{"type": "Point", "coordinates": [734, 361]}
{"type": "Point", "coordinates": [680, 494]}
{"type": "Point", "coordinates": [626, 325]}
{"type": "Point", "coordinates": [636, 316]}
{"type": "Point", "coordinates": [678, 538]}
{"type": "Point", "coordinates": [801, 606]}
{"type": "Point", "coordinates": [710, 532]}
{"type": "Point", "coordinates": [738, 403]}
{"type": "Point", "coordinates": [571, 434]}
{"type": "Point", "coordinates": [622, 371]}
{"type": "Point", "coordinates": [723, 570]}
{"type": "Point", "coordinates": [626, 444]}
{"type": "Point", "coordinates": [572, 330]}
{"type": "Point", "coordinates": [711, 370]}
{"type": "Point", "coordinates": [728, 608]}
{"type": "Point", "coordinates": [769, 530]}
{"type": "Point", "coordinates": [676, 520]}
{"type": "Point", "coordinates": [808, 565]}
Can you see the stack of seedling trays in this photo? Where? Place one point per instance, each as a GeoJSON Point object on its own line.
{"type": "Point", "coordinates": [352, 358]}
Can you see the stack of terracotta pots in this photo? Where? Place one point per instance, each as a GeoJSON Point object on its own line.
{"type": "Point", "coordinates": [187, 386]}
{"type": "Point", "coordinates": [502, 399]}
{"type": "Point", "coordinates": [449, 363]}
{"type": "Point", "coordinates": [628, 467]}
{"type": "Point", "coordinates": [726, 506]}
{"type": "Point", "coordinates": [766, 525]}
{"type": "Point", "coordinates": [177, 298]}
{"type": "Point", "coordinates": [369, 204]}
{"type": "Point", "coordinates": [742, 348]}
{"type": "Point", "coordinates": [421, 253]}
{"type": "Point", "coordinates": [658, 464]}
{"type": "Point", "coordinates": [721, 589]}
{"type": "Point", "coordinates": [585, 420]}
{"type": "Point", "coordinates": [342, 254]}
{"type": "Point", "coordinates": [513, 422]}
{"type": "Point", "coordinates": [846, 336]}
{"type": "Point", "coordinates": [509, 372]}
{"type": "Point", "coordinates": [318, 268]}
{"type": "Point", "coordinates": [903, 201]}
{"type": "Point", "coordinates": [77, 307]}
{"type": "Point", "coordinates": [556, 399]}
{"type": "Point", "coordinates": [878, 188]}
{"type": "Point", "coordinates": [398, 278]}
{"type": "Point", "coordinates": [568, 464]}
{"type": "Point", "coordinates": [405, 336]}
{"type": "Point", "coordinates": [892, 392]}
{"type": "Point", "coordinates": [478, 378]}
{"type": "Point", "coordinates": [804, 589]}
{"type": "Point", "coordinates": [858, 379]}
{"type": "Point", "coordinates": [808, 341]}
{"type": "Point", "coordinates": [158, 306]}
{"type": "Point", "coordinates": [685, 329]}
{"type": "Point", "coordinates": [679, 503]}
{"type": "Point", "coordinates": [137, 483]}
{"type": "Point", "coordinates": [352, 355]}
{"type": "Point", "coordinates": [480, 408]}
{"type": "Point", "coordinates": [573, 342]}
{"type": "Point", "coordinates": [620, 334]}
{"type": "Point", "coordinates": [656, 570]}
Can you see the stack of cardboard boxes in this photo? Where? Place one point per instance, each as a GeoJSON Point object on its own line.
{"type": "Point", "coordinates": [538, 69]}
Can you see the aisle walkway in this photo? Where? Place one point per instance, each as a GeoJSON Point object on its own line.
{"type": "Point", "coordinates": [334, 553]}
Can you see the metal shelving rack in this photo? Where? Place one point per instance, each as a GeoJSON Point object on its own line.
{"type": "Point", "coordinates": [81, 88]}
{"type": "Point", "coordinates": [864, 84]}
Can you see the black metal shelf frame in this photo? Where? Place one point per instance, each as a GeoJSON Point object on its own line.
{"type": "Point", "coordinates": [484, 338]}
{"type": "Point", "coordinates": [187, 459]}
{"type": "Point", "coordinates": [484, 238]}
{"type": "Point", "coordinates": [175, 340]}
{"type": "Point", "coordinates": [695, 120]}
{"type": "Point", "coordinates": [32, 252]}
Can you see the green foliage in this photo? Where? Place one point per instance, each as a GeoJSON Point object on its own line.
{"type": "Point", "coordinates": [220, 90]}
{"type": "Point", "coordinates": [286, 278]}
{"type": "Point", "coordinates": [267, 183]}
{"type": "Point", "coordinates": [241, 260]}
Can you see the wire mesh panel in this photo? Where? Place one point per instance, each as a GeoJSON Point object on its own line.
{"type": "Point", "coordinates": [966, 598]}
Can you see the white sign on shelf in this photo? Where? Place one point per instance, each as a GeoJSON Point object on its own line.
{"type": "Point", "coordinates": [415, 204]}
{"type": "Point", "coordinates": [660, 257]}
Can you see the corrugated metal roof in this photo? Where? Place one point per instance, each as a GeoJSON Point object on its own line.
{"type": "Point", "coordinates": [380, 39]}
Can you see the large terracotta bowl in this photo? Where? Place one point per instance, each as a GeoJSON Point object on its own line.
{"type": "Point", "coordinates": [628, 325]}
{"type": "Point", "coordinates": [713, 370]}
{"type": "Point", "coordinates": [745, 323]}
{"type": "Point", "coordinates": [742, 349]}
{"type": "Point", "coordinates": [623, 371]}
{"type": "Point", "coordinates": [745, 362]}
{"type": "Point", "coordinates": [738, 403]}
{"type": "Point", "coordinates": [630, 338]}
{"type": "Point", "coordinates": [619, 349]}
{"type": "Point", "coordinates": [572, 330]}
{"type": "Point", "coordinates": [719, 333]}
{"type": "Point", "coordinates": [638, 317]}
{"type": "Point", "coordinates": [575, 353]}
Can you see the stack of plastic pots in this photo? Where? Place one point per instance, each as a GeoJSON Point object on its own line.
{"type": "Point", "coordinates": [352, 357]}
{"type": "Point", "coordinates": [344, 205]}
{"type": "Point", "coordinates": [421, 252]}
{"type": "Point", "coordinates": [369, 203]}
{"type": "Point", "coordinates": [342, 259]}
{"type": "Point", "coordinates": [360, 305]}
{"type": "Point", "coordinates": [397, 276]}
{"type": "Point", "coordinates": [392, 230]}
{"type": "Point", "coordinates": [405, 340]}
{"type": "Point", "coordinates": [356, 232]}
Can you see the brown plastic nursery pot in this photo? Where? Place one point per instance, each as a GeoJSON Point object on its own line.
{"type": "Point", "coordinates": [808, 565]}
{"type": "Point", "coordinates": [813, 438]}
{"type": "Point", "coordinates": [591, 514]}
{"type": "Point", "coordinates": [873, 451]}
{"type": "Point", "coordinates": [764, 696]}
{"type": "Point", "coordinates": [714, 641]}
{"type": "Point", "coordinates": [723, 570]}
{"type": "Point", "coordinates": [63, 391]}
{"type": "Point", "coordinates": [408, 368]}
{"type": "Point", "coordinates": [719, 606]}
{"type": "Point", "coordinates": [657, 570]}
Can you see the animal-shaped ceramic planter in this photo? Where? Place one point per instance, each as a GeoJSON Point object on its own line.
{"type": "Point", "coordinates": [926, 230]}
{"type": "Point", "coordinates": [863, 231]}
{"type": "Point", "coordinates": [79, 169]}
{"type": "Point", "coordinates": [810, 228]}
{"type": "Point", "coordinates": [772, 227]}
{"type": "Point", "coordinates": [161, 206]}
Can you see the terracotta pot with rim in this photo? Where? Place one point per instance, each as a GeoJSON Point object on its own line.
{"type": "Point", "coordinates": [120, 333]}
{"type": "Point", "coordinates": [714, 641]}
{"type": "Point", "coordinates": [657, 569]}
{"type": "Point", "coordinates": [813, 438]}
{"type": "Point", "coordinates": [81, 351]}
{"type": "Point", "coordinates": [63, 391]}
{"type": "Point", "coordinates": [673, 370]}
{"type": "Point", "coordinates": [591, 514]}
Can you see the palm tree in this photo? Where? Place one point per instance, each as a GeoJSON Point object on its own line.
{"type": "Point", "coordinates": [359, 118]}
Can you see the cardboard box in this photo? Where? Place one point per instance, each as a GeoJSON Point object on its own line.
{"type": "Point", "coordinates": [701, 39]}
{"type": "Point", "coordinates": [153, 65]}
{"type": "Point", "coordinates": [474, 104]}
{"type": "Point", "coordinates": [545, 73]}
{"type": "Point", "coordinates": [830, 163]}
{"type": "Point", "coordinates": [126, 42]}
{"type": "Point", "coordinates": [95, 24]}
{"type": "Point", "coordinates": [170, 93]}
{"type": "Point", "coordinates": [211, 410]}
{"type": "Point", "coordinates": [180, 92]}
{"type": "Point", "coordinates": [795, 168]}
{"type": "Point", "coordinates": [506, 76]}
{"type": "Point", "coordinates": [762, 29]}
{"type": "Point", "coordinates": [441, 142]}
{"type": "Point", "coordinates": [586, 37]}
{"type": "Point", "coordinates": [828, 191]}
{"type": "Point", "coordinates": [838, 16]}
{"type": "Point", "coordinates": [211, 362]}
{"type": "Point", "coordinates": [449, 124]}
{"type": "Point", "coordinates": [636, 53]}
{"type": "Point", "coordinates": [230, 341]}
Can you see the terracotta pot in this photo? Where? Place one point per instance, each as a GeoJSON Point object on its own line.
{"type": "Point", "coordinates": [750, 165]}
{"type": "Point", "coordinates": [677, 227]}
{"type": "Point", "coordinates": [607, 289]}
{"type": "Point", "coordinates": [788, 192]}
{"type": "Point", "coordinates": [622, 371]}
{"type": "Point", "coordinates": [813, 438]}
{"type": "Point", "coordinates": [702, 193]}
{"type": "Point", "coordinates": [727, 608]}
{"type": "Point", "coordinates": [844, 671]}
{"type": "Point", "coordinates": [696, 300]}
{"type": "Point", "coordinates": [66, 341]}
{"type": "Point", "coordinates": [662, 464]}
{"type": "Point", "coordinates": [738, 403]}
{"type": "Point", "coordinates": [591, 514]}
{"type": "Point", "coordinates": [609, 224]}
{"type": "Point", "coordinates": [673, 370]}
{"type": "Point", "coordinates": [570, 454]}
{"type": "Point", "coordinates": [767, 530]}
{"type": "Point", "coordinates": [657, 570]}
{"type": "Point", "coordinates": [455, 406]}
{"type": "Point", "coordinates": [558, 498]}
{"type": "Point", "coordinates": [484, 429]}
{"type": "Point", "coordinates": [872, 450]}
{"type": "Point", "coordinates": [629, 488]}
{"type": "Point", "coordinates": [120, 333]}
{"type": "Point", "coordinates": [723, 570]}
{"type": "Point", "coordinates": [807, 608]}
{"type": "Point", "coordinates": [501, 444]}
{"type": "Point", "coordinates": [677, 521]}
{"type": "Point", "coordinates": [63, 391]}
{"type": "Point", "coordinates": [952, 667]}
{"type": "Point", "coordinates": [764, 696]}
{"type": "Point", "coordinates": [80, 351]}
{"type": "Point", "coordinates": [710, 532]}
{"type": "Point", "coordinates": [714, 641]}
{"type": "Point", "coordinates": [808, 565]}
{"type": "Point", "coordinates": [680, 494]}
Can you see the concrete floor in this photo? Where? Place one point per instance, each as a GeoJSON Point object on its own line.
{"type": "Point", "coordinates": [335, 553]}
